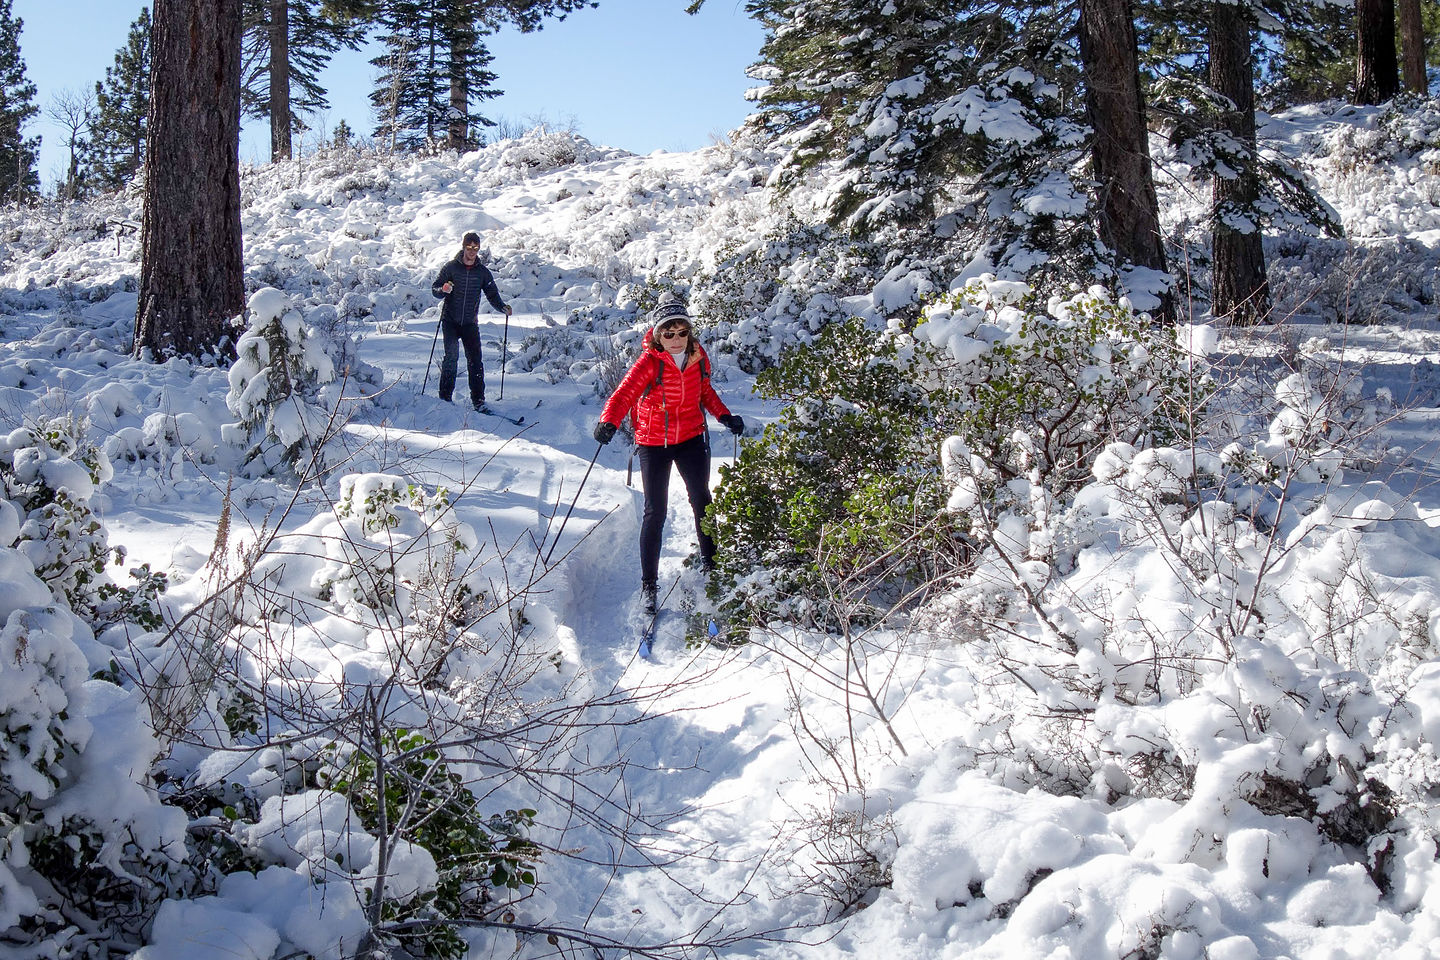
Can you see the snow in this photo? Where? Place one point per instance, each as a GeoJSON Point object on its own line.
{"type": "Point", "coordinates": [678, 799]}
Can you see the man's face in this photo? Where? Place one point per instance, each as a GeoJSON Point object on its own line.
{"type": "Point", "coordinates": [472, 250]}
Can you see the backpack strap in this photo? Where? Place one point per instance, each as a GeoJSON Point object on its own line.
{"type": "Point", "coordinates": [659, 375]}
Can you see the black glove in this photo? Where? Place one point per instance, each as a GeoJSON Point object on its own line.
{"type": "Point", "coordinates": [604, 432]}
{"type": "Point", "coordinates": [736, 425]}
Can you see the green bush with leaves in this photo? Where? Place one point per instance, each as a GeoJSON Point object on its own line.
{"type": "Point", "coordinates": [840, 508]}
{"type": "Point", "coordinates": [840, 484]}
{"type": "Point", "coordinates": [428, 804]}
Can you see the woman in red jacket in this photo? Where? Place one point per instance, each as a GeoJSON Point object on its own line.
{"type": "Point", "coordinates": [667, 391]}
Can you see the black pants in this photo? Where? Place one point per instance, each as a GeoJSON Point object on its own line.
{"type": "Point", "coordinates": [692, 459]}
{"type": "Point", "coordinates": [469, 335]}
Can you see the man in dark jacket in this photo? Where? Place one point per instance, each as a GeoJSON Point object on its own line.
{"type": "Point", "coordinates": [460, 284]}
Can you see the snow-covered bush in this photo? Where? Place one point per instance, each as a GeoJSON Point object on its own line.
{"type": "Point", "coordinates": [86, 849]}
{"type": "Point", "coordinates": [276, 389]}
{"type": "Point", "coordinates": [50, 473]}
{"type": "Point", "coordinates": [1047, 385]}
{"type": "Point", "coordinates": [428, 805]}
{"type": "Point", "coordinates": [1248, 650]}
{"type": "Point", "coordinates": [764, 293]}
{"type": "Point", "coordinates": [164, 442]}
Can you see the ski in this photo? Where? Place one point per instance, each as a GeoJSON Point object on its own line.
{"type": "Point", "coordinates": [647, 635]}
{"type": "Point", "coordinates": [517, 421]}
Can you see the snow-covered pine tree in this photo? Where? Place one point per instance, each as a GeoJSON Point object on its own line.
{"type": "Point", "coordinates": [434, 68]}
{"type": "Point", "coordinates": [1202, 58]}
{"type": "Point", "coordinates": [18, 154]}
{"type": "Point", "coordinates": [952, 124]}
{"type": "Point", "coordinates": [122, 101]}
{"type": "Point", "coordinates": [286, 46]}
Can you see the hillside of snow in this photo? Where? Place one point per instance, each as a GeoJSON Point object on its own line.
{"type": "Point", "coordinates": [1200, 777]}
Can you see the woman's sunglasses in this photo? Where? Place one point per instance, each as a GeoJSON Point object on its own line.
{"type": "Point", "coordinates": [672, 334]}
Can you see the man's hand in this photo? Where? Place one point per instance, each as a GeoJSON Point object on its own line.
{"type": "Point", "coordinates": [447, 286]}
{"type": "Point", "coordinates": [508, 311]}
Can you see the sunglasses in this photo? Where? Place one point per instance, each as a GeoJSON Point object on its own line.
{"type": "Point", "coordinates": [472, 246]}
{"type": "Point", "coordinates": [672, 334]}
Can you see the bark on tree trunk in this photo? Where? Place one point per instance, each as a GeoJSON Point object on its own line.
{"type": "Point", "coordinates": [191, 272]}
{"type": "Point", "coordinates": [457, 134]}
{"type": "Point", "coordinates": [1376, 75]}
{"type": "Point", "coordinates": [1115, 107]}
{"type": "Point", "coordinates": [1240, 287]}
{"type": "Point", "coordinates": [1412, 45]}
{"type": "Point", "coordinates": [280, 119]}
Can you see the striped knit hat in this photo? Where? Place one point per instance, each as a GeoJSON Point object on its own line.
{"type": "Point", "coordinates": [668, 310]}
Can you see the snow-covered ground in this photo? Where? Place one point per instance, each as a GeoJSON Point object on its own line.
{"type": "Point", "coordinates": [735, 800]}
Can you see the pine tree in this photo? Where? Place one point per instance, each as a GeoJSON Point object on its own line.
{"type": "Point", "coordinates": [18, 154]}
{"type": "Point", "coordinates": [122, 103]}
{"type": "Point", "coordinates": [1240, 286]}
{"type": "Point", "coordinates": [1201, 55]}
{"type": "Point", "coordinates": [1312, 59]}
{"type": "Point", "coordinates": [288, 43]}
{"type": "Point", "coordinates": [433, 70]}
{"type": "Point", "coordinates": [1129, 221]}
{"type": "Point", "coordinates": [435, 66]}
{"type": "Point", "coordinates": [951, 122]}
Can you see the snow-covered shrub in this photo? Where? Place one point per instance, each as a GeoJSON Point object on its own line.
{"type": "Point", "coordinates": [86, 850]}
{"type": "Point", "coordinates": [50, 473]}
{"type": "Point", "coordinates": [276, 389]}
{"type": "Point", "coordinates": [1252, 646]}
{"type": "Point", "coordinates": [398, 548]}
{"type": "Point", "coordinates": [164, 442]}
{"type": "Point", "coordinates": [1048, 384]}
{"type": "Point", "coordinates": [427, 805]}
{"type": "Point", "coordinates": [783, 288]}
{"type": "Point", "coordinates": [541, 150]}
{"type": "Point", "coordinates": [1345, 282]}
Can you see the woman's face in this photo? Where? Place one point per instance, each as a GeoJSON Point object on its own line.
{"type": "Point", "coordinates": [675, 337]}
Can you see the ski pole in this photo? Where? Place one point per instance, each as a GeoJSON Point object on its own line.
{"type": "Point", "coordinates": [598, 448]}
{"type": "Point", "coordinates": [433, 340]}
{"type": "Point", "coordinates": [630, 467]}
{"type": "Point", "coordinates": [504, 350]}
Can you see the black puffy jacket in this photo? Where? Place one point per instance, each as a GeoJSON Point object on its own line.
{"type": "Point", "coordinates": [462, 303]}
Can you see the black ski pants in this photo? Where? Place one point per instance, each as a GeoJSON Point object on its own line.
{"type": "Point", "coordinates": [469, 335]}
{"type": "Point", "coordinates": [692, 459]}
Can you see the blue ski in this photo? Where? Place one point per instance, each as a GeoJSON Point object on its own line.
{"type": "Point", "coordinates": [647, 635]}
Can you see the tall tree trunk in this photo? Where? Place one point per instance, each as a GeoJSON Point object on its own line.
{"type": "Point", "coordinates": [458, 131]}
{"type": "Point", "coordinates": [1412, 46]}
{"type": "Point", "coordinates": [280, 119]}
{"type": "Point", "coordinates": [191, 271]}
{"type": "Point", "coordinates": [1115, 107]}
{"type": "Point", "coordinates": [1240, 288]}
{"type": "Point", "coordinates": [431, 107]}
{"type": "Point", "coordinates": [1376, 73]}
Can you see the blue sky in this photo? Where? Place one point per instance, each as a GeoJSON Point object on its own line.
{"type": "Point", "coordinates": [637, 74]}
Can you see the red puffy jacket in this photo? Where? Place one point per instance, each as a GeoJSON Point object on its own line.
{"type": "Point", "coordinates": [670, 412]}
